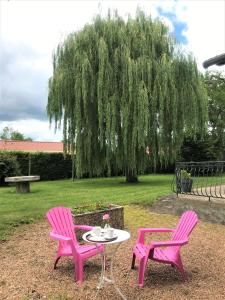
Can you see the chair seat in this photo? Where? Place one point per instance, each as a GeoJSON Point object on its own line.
{"type": "Point", "coordinates": [160, 254]}
{"type": "Point", "coordinates": [89, 249]}
{"type": "Point", "coordinates": [82, 249]}
{"type": "Point", "coordinates": [165, 255]}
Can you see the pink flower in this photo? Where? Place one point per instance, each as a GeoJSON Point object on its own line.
{"type": "Point", "coordinates": [105, 217]}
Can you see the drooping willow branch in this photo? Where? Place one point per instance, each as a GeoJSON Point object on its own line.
{"type": "Point", "coordinates": [121, 88]}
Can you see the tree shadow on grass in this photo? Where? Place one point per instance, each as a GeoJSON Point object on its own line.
{"type": "Point", "coordinates": [120, 183]}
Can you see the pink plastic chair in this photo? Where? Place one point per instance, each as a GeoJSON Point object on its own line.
{"type": "Point", "coordinates": [60, 218]}
{"type": "Point", "coordinates": [170, 253]}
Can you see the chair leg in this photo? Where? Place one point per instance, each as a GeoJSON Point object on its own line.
{"type": "Point", "coordinates": [133, 261]}
{"type": "Point", "coordinates": [79, 273]}
{"type": "Point", "coordinates": [56, 261]}
{"type": "Point", "coordinates": [180, 268]}
{"type": "Point", "coordinates": [141, 272]}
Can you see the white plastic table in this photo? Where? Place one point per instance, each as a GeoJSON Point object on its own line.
{"type": "Point", "coordinates": [122, 236]}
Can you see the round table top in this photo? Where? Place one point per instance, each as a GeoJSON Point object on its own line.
{"type": "Point", "coordinates": [122, 235]}
{"type": "Point", "coordinates": [22, 178]}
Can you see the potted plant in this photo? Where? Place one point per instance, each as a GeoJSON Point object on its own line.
{"type": "Point", "coordinates": [184, 182]}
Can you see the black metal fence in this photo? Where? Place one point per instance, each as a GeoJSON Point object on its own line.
{"type": "Point", "coordinates": [200, 179]}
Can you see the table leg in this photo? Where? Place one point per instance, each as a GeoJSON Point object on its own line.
{"type": "Point", "coordinates": [104, 279]}
{"type": "Point", "coordinates": [113, 279]}
{"type": "Point", "coordinates": [23, 187]}
{"type": "Point", "coordinates": [101, 282]}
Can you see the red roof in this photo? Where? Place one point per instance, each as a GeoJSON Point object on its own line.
{"type": "Point", "coordinates": [31, 146]}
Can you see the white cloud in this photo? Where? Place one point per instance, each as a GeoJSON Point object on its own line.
{"type": "Point", "coordinates": [45, 23]}
{"type": "Point", "coordinates": [24, 82]}
{"type": "Point", "coordinates": [37, 130]}
{"type": "Point", "coordinates": [41, 25]}
{"type": "Point", "coordinates": [205, 20]}
{"type": "Point", "coordinates": [168, 23]}
{"type": "Point", "coordinates": [38, 27]}
{"type": "Point", "coordinates": [206, 29]}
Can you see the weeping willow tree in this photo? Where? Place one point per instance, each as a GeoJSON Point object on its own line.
{"type": "Point", "coordinates": [125, 95]}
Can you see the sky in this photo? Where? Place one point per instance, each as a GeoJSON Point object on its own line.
{"type": "Point", "coordinates": [31, 29]}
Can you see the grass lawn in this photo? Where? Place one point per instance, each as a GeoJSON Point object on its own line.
{"type": "Point", "coordinates": [16, 209]}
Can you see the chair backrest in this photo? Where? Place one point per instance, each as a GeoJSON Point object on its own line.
{"type": "Point", "coordinates": [186, 224]}
{"type": "Point", "coordinates": [61, 220]}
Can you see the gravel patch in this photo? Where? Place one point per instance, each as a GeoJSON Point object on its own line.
{"type": "Point", "coordinates": [27, 266]}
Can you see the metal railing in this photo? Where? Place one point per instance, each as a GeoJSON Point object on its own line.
{"type": "Point", "coordinates": [205, 179]}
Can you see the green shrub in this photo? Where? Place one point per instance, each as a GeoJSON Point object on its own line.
{"type": "Point", "coordinates": [49, 166]}
{"type": "Point", "coordinates": [9, 166]}
{"type": "Point", "coordinates": [99, 205]}
{"type": "Point", "coordinates": [184, 174]}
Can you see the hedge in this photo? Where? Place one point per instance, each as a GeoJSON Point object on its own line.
{"type": "Point", "coordinates": [8, 167]}
{"type": "Point", "coordinates": [49, 166]}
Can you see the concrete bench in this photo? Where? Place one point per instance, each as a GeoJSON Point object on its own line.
{"type": "Point", "coordinates": [22, 182]}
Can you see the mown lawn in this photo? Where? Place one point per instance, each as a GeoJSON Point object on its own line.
{"type": "Point", "coordinates": [16, 209]}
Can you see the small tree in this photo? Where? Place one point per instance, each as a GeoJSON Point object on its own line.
{"type": "Point", "coordinates": [127, 95]}
{"type": "Point", "coordinates": [199, 149]}
{"type": "Point", "coordinates": [215, 84]}
{"type": "Point", "coordinates": [9, 134]}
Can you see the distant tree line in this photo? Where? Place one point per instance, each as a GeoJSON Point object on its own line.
{"type": "Point", "coordinates": [9, 133]}
{"type": "Point", "coordinates": [212, 145]}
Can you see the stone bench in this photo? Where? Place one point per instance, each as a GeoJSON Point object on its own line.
{"type": "Point", "coordinates": [22, 182]}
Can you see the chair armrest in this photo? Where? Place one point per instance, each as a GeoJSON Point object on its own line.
{"type": "Point", "coordinates": [168, 243]}
{"type": "Point", "coordinates": [62, 238]}
{"type": "Point", "coordinates": [156, 230]}
{"type": "Point", "coordinates": [142, 231]}
{"type": "Point", "coordinates": [59, 237]}
{"type": "Point", "coordinates": [83, 227]}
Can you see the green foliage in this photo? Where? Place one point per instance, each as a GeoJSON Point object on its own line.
{"type": "Point", "coordinates": [9, 134]}
{"type": "Point", "coordinates": [8, 167]}
{"type": "Point", "coordinates": [99, 205]}
{"type": "Point", "coordinates": [199, 149]}
{"type": "Point", "coordinates": [184, 174]}
{"type": "Point", "coordinates": [121, 88]}
{"type": "Point", "coordinates": [215, 84]}
{"type": "Point", "coordinates": [212, 145]}
{"type": "Point", "coordinates": [49, 166]}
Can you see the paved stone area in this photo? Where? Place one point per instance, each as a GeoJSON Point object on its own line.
{"type": "Point", "coordinates": [213, 211]}
{"type": "Point", "coordinates": [216, 191]}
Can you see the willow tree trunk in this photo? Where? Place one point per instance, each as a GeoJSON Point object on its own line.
{"type": "Point", "coordinates": [131, 176]}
